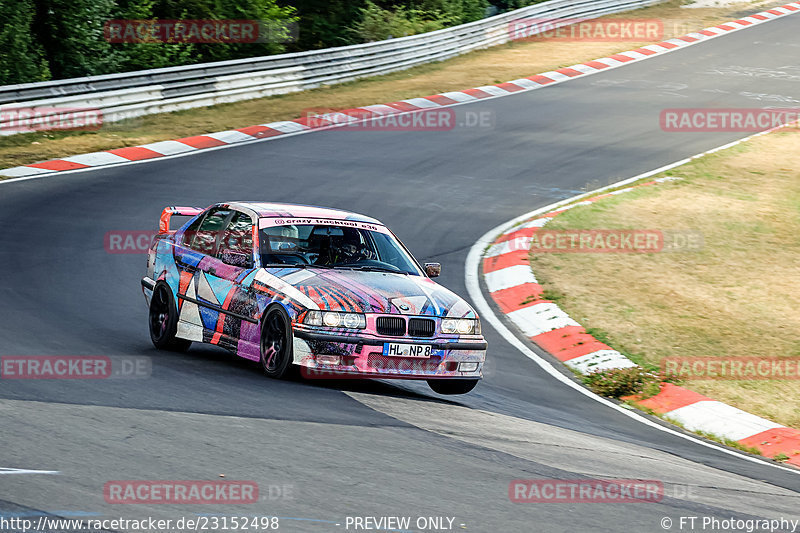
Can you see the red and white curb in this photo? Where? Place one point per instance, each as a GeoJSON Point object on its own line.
{"type": "Point", "coordinates": [514, 288]}
{"type": "Point", "coordinates": [188, 145]}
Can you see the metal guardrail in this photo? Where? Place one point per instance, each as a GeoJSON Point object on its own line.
{"type": "Point", "coordinates": [131, 94]}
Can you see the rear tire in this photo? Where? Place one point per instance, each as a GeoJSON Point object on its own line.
{"type": "Point", "coordinates": [277, 354]}
{"type": "Point", "coordinates": [163, 320]}
{"type": "Point", "coordinates": [452, 386]}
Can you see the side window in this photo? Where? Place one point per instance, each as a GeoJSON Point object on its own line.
{"type": "Point", "coordinates": [204, 239]}
{"type": "Point", "coordinates": [238, 236]}
{"type": "Point", "coordinates": [191, 231]}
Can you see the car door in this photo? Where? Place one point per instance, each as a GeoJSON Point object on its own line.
{"type": "Point", "coordinates": [195, 257]}
{"type": "Point", "coordinates": [227, 277]}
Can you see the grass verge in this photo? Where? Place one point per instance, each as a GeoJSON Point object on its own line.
{"type": "Point", "coordinates": [736, 297]}
{"type": "Point", "coordinates": [495, 65]}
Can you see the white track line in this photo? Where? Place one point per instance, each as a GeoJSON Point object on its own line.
{"type": "Point", "coordinates": [472, 280]}
{"type": "Point", "coordinates": [15, 471]}
{"type": "Point", "coordinates": [496, 92]}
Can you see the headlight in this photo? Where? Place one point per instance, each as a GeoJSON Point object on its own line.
{"type": "Point", "coordinates": [462, 326]}
{"type": "Point", "coordinates": [354, 321]}
{"type": "Point", "coordinates": [333, 319]}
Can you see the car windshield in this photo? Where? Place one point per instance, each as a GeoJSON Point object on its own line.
{"type": "Point", "coordinates": [330, 246]}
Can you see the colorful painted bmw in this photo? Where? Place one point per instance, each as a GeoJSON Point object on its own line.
{"type": "Point", "coordinates": [331, 292]}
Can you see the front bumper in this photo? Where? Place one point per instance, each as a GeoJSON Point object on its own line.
{"type": "Point", "coordinates": [334, 355]}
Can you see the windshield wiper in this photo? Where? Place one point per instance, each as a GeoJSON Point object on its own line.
{"type": "Point", "coordinates": [294, 265]}
{"type": "Point", "coordinates": [373, 268]}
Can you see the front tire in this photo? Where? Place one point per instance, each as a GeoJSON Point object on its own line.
{"type": "Point", "coordinates": [163, 320]}
{"type": "Point", "coordinates": [276, 343]}
{"type": "Point", "coordinates": [452, 386]}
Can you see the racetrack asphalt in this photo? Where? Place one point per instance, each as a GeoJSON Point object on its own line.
{"type": "Point", "coordinates": [365, 448]}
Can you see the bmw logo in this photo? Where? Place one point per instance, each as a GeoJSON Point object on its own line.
{"type": "Point", "coordinates": [404, 307]}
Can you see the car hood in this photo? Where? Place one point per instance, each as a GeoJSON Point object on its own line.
{"type": "Point", "coordinates": [366, 292]}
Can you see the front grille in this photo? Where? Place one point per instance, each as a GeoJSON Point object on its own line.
{"type": "Point", "coordinates": [391, 326]}
{"type": "Point", "coordinates": [421, 327]}
{"type": "Point", "coordinates": [403, 364]}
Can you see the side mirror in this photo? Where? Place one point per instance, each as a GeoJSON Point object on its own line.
{"type": "Point", "coordinates": [432, 270]}
{"type": "Point", "coordinates": [236, 258]}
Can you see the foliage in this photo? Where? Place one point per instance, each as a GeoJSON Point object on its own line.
{"type": "Point", "coordinates": [377, 24]}
{"type": "Point", "coordinates": [56, 39]}
{"type": "Point", "coordinates": [619, 382]}
{"type": "Point", "coordinates": [324, 23]}
{"type": "Point", "coordinates": [22, 59]}
{"type": "Point", "coordinates": [71, 34]}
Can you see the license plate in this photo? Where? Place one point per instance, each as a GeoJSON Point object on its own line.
{"type": "Point", "coordinates": [423, 351]}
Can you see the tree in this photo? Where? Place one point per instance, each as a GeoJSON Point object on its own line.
{"type": "Point", "coordinates": [377, 23]}
{"type": "Point", "coordinates": [324, 23]}
{"type": "Point", "coordinates": [462, 11]}
{"type": "Point", "coordinates": [22, 58]}
{"type": "Point", "coordinates": [71, 34]}
{"type": "Point", "coordinates": [143, 56]}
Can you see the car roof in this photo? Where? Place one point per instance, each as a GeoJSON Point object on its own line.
{"type": "Point", "coordinates": [279, 210]}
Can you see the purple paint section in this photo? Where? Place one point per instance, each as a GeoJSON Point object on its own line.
{"type": "Point", "coordinates": [249, 339]}
{"type": "Point", "coordinates": [233, 300]}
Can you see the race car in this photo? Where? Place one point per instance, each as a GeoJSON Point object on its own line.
{"type": "Point", "coordinates": [330, 293]}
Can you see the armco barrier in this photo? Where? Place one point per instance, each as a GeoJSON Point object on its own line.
{"type": "Point", "coordinates": [133, 94]}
